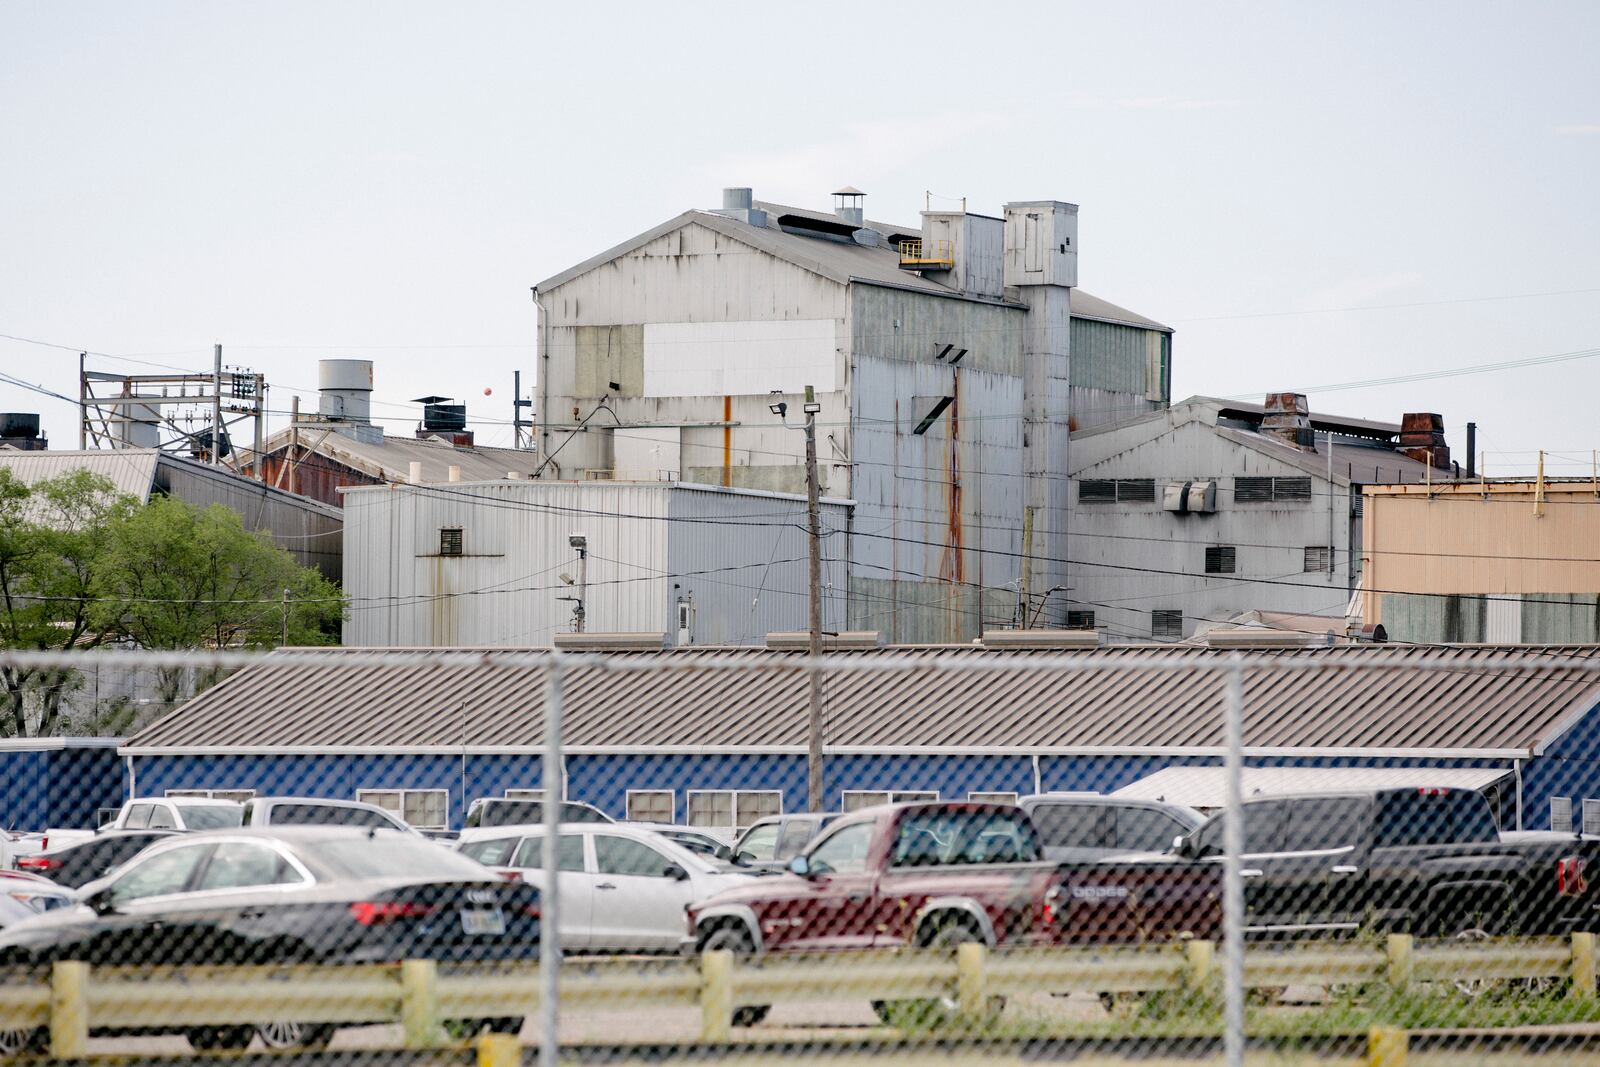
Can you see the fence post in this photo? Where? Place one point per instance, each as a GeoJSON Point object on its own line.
{"type": "Point", "coordinates": [419, 1002]}
{"type": "Point", "coordinates": [1399, 961]}
{"type": "Point", "coordinates": [970, 979]}
{"type": "Point", "coordinates": [716, 995]}
{"type": "Point", "coordinates": [1583, 964]}
{"type": "Point", "coordinates": [1387, 1047]}
{"type": "Point", "coordinates": [1201, 957]}
{"type": "Point", "coordinates": [499, 1050]}
{"type": "Point", "coordinates": [69, 1009]}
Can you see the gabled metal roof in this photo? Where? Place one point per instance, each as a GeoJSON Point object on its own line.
{"type": "Point", "coordinates": [1371, 700]}
{"type": "Point", "coordinates": [841, 261]}
{"type": "Point", "coordinates": [390, 460]}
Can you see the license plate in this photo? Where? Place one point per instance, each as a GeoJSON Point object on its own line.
{"type": "Point", "coordinates": [483, 921]}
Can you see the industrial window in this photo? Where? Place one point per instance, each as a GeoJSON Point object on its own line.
{"type": "Point", "coordinates": [1097, 491]}
{"type": "Point", "coordinates": [1116, 490]}
{"type": "Point", "coordinates": [1561, 814]}
{"type": "Point", "coordinates": [1080, 620]}
{"type": "Point", "coordinates": [993, 798]}
{"type": "Point", "coordinates": [1318, 558]}
{"type": "Point", "coordinates": [238, 796]}
{"type": "Point", "coordinates": [1591, 816]}
{"type": "Point", "coordinates": [1358, 500]}
{"type": "Point", "coordinates": [450, 541]}
{"type": "Point", "coordinates": [524, 794]}
{"type": "Point", "coordinates": [737, 808]}
{"type": "Point", "coordinates": [1267, 490]}
{"type": "Point", "coordinates": [1220, 559]}
{"type": "Point", "coordinates": [1166, 624]}
{"type": "Point", "coordinates": [425, 809]}
{"type": "Point", "coordinates": [651, 805]}
{"type": "Point", "coordinates": [856, 799]}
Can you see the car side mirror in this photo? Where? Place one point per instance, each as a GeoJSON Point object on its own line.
{"type": "Point", "coordinates": [801, 866]}
{"type": "Point", "coordinates": [723, 852]}
{"type": "Point", "coordinates": [100, 903]}
{"type": "Point", "coordinates": [1183, 846]}
{"type": "Point", "coordinates": [676, 873]}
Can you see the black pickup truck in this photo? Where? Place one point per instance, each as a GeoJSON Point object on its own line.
{"type": "Point", "coordinates": [1428, 861]}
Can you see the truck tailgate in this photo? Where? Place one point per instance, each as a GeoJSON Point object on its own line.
{"type": "Point", "coordinates": [1134, 901]}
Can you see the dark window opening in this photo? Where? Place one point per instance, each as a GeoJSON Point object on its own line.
{"type": "Point", "coordinates": [1166, 624]}
{"type": "Point", "coordinates": [450, 541]}
{"type": "Point", "coordinates": [1319, 558]}
{"type": "Point", "coordinates": [1220, 559]}
{"type": "Point", "coordinates": [1080, 620]}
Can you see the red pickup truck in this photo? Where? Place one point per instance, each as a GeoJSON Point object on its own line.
{"type": "Point", "coordinates": [936, 874]}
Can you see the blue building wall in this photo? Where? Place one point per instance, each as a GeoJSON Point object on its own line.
{"type": "Point", "coordinates": [604, 780]}
{"type": "Point", "coordinates": [65, 787]}
{"type": "Point", "coordinates": [1569, 768]}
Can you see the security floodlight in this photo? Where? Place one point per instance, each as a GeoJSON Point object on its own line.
{"type": "Point", "coordinates": [778, 406]}
{"type": "Point", "coordinates": [565, 578]}
{"type": "Point", "coordinates": [812, 408]}
{"type": "Point", "coordinates": [578, 541]}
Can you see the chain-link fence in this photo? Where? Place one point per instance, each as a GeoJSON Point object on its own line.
{"type": "Point", "coordinates": [1148, 854]}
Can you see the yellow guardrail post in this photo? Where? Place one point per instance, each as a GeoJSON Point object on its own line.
{"type": "Point", "coordinates": [716, 995]}
{"type": "Point", "coordinates": [499, 1050]}
{"type": "Point", "coordinates": [1583, 965]}
{"type": "Point", "coordinates": [970, 980]}
{"type": "Point", "coordinates": [69, 1009]}
{"type": "Point", "coordinates": [1399, 949]}
{"type": "Point", "coordinates": [1201, 958]}
{"type": "Point", "coordinates": [419, 1002]}
{"type": "Point", "coordinates": [1387, 1047]}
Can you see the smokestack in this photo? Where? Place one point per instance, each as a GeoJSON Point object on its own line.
{"type": "Point", "coordinates": [414, 472]}
{"type": "Point", "coordinates": [739, 202]}
{"type": "Point", "coordinates": [1288, 418]}
{"type": "Point", "coordinates": [1472, 449]}
{"type": "Point", "coordinates": [1422, 438]}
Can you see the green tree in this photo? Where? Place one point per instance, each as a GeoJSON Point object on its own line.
{"type": "Point", "coordinates": [54, 539]}
{"type": "Point", "coordinates": [179, 576]}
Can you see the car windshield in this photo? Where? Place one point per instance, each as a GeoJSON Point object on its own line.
{"type": "Point", "coordinates": [389, 856]}
{"type": "Point", "coordinates": [212, 816]}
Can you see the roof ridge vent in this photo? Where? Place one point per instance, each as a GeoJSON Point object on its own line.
{"type": "Point", "coordinates": [616, 641]}
{"type": "Point", "coordinates": [1041, 639]}
{"type": "Point", "coordinates": [788, 640]}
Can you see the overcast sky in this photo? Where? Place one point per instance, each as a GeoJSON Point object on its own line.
{"type": "Point", "coordinates": [309, 180]}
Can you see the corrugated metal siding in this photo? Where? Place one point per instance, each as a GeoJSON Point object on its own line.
{"type": "Point", "coordinates": [1110, 357]}
{"type": "Point", "coordinates": [503, 589]}
{"type": "Point", "coordinates": [1387, 704]}
{"type": "Point", "coordinates": [65, 787]}
{"type": "Point", "coordinates": [311, 531]}
{"type": "Point", "coordinates": [130, 470]}
{"type": "Point", "coordinates": [741, 564]}
{"type": "Point", "coordinates": [1130, 559]}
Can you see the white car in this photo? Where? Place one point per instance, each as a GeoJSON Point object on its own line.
{"type": "Point", "coordinates": [622, 888]}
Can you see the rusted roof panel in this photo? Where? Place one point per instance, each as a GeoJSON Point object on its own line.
{"type": "Point", "coordinates": [1364, 697]}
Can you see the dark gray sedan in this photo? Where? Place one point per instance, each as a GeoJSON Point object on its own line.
{"type": "Point", "coordinates": [292, 894]}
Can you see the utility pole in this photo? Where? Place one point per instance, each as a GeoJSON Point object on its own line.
{"type": "Point", "coordinates": [814, 583]}
{"type": "Point", "coordinates": [216, 406]}
{"type": "Point", "coordinates": [286, 615]}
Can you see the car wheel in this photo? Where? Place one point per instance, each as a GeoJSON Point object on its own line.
{"type": "Point", "coordinates": [308, 1036]}
{"type": "Point", "coordinates": [18, 1042]}
{"type": "Point", "coordinates": [922, 1014]}
{"type": "Point", "coordinates": [215, 1038]}
{"type": "Point", "coordinates": [733, 937]}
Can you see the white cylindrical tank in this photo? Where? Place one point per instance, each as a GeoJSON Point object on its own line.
{"type": "Point", "coordinates": [345, 389]}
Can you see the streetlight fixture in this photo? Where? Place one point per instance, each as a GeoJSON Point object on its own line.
{"type": "Point", "coordinates": [581, 544]}
{"type": "Point", "coordinates": [811, 407]}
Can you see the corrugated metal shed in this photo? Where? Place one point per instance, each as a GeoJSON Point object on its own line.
{"type": "Point", "coordinates": [308, 529]}
{"type": "Point", "coordinates": [1389, 706]}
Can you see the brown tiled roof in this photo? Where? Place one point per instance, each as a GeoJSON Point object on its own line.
{"type": "Point", "coordinates": [1361, 698]}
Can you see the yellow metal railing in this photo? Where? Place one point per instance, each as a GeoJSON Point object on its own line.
{"type": "Point", "coordinates": [71, 999]}
{"type": "Point", "coordinates": [919, 253]}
